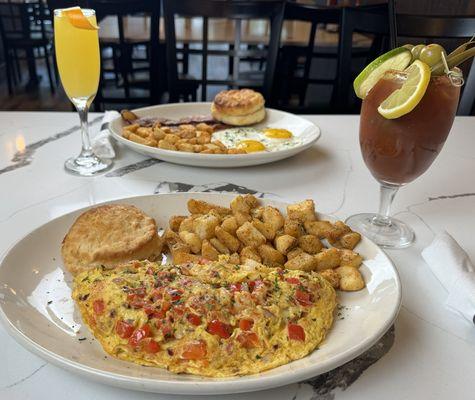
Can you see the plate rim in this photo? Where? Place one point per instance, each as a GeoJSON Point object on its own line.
{"type": "Point", "coordinates": [207, 386]}
{"type": "Point", "coordinates": [316, 135]}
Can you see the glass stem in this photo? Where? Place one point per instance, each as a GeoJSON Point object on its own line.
{"type": "Point", "coordinates": [387, 194]}
{"type": "Point", "coordinates": [82, 108]}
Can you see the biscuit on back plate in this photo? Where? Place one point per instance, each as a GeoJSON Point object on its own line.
{"type": "Point", "coordinates": [109, 235]}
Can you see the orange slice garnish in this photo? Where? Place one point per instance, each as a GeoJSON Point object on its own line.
{"type": "Point", "coordinates": [78, 19]}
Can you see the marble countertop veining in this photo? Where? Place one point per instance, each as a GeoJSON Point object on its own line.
{"type": "Point", "coordinates": [429, 353]}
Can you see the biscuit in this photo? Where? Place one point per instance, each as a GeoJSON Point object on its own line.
{"type": "Point", "coordinates": [236, 120]}
{"type": "Point", "coordinates": [238, 102]}
{"type": "Point", "coordinates": [109, 235]}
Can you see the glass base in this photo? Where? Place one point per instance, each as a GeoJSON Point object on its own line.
{"type": "Point", "coordinates": [87, 165]}
{"type": "Point", "coordinates": [395, 235]}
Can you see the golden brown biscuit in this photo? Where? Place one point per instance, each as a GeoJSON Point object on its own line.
{"type": "Point", "coordinates": [236, 120]}
{"type": "Point", "coordinates": [109, 235]}
{"type": "Point", "coordinates": [238, 102]}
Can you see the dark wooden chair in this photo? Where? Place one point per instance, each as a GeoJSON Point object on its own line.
{"type": "Point", "coordinates": [23, 28]}
{"type": "Point", "coordinates": [132, 71]}
{"type": "Point", "coordinates": [442, 27]}
{"type": "Point", "coordinates": [367, 20]}
{"type": "Point", "coordinates": [293, 77]}
{"type": "Point", "coordinates": [237, 10]}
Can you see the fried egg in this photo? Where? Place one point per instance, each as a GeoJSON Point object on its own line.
{"type": "Point", "coordinates": [253, 140]}
{"type": "Point", "coordinates": [213, 319]}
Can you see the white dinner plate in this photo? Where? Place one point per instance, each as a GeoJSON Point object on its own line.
{"type": "Point", "coordinates": [37, 310]}
{"type": "Point", "coordinates": [300, 128]}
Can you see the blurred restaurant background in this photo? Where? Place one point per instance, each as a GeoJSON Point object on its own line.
{"type": "Point", "coordinates": [302, 55]}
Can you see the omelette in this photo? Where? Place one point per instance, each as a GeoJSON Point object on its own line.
{"type": "Point", "coordinates": [211, 318]}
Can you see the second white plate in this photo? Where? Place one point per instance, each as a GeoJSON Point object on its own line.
{"type": "Point", "coordinates": [300, 128]}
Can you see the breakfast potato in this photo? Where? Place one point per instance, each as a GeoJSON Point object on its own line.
{"type": "Point", "coordinates": [327, 258]}
{"type": "Point", "coordinates": [350, 240]}
{"type": "Point", "coordinates": [202, 207]}
{"type": "Point", "coordinates": [320, 229]}
{"type": "Point", "coordinates": [180, 257]}
{"type": "Point", "coordinates": [208, 251]}
{"type": "Point", "coordinates": [270, 256]}
{"type": "Point", "coordinates": [293, 228]}
{"type": "Point", "coordinates": [227, 239]}
{"type": "Point", "coordinates": [294, 253]}
{"type": "Point", "coordinates": [251, 200]}
{"type": "Point", "coordinates": [285, 243]}
{"type": "Point", "coordinates": [250, 235]}
{"type": "Point", "coordinates": [302, 212]}
{"type": "Point", "coordinates": [143, 132]}
{"type": "Point", "coordinates": [257, 212]}
{"type": "Point", "coordinates": [337, 231]}
{"type": "Point", "coordinates": [187, 224]}
{"type": "Point", "coordinates": [239, 205]}
{"type": "Point", "coordinates": [230, 225]}
{"type": "Point", "coordinates": [192, 240]}
{"type": "Point", "coordinates": [139, 139]}
{"type": "Point", "coordinates": [242, 218]}
{"type": "Point", "coordinates": [273, 217]}
{"type": "Point", "coordinates": [175, 221]}
{"type": "Point", "coordinates": [205, 225]}
{"type": "Point", "coordinates": [234, 259]}
{"type": "Point", "coordinates": [331, 276]}
{"type": "Point", "coordinates": [349, 258]}
{"type": "Point", "coordinates": [220, 246]}
{"type": "Point", "coordinates": [163, 144]}
{"type": "Point", "coordinates": [186, 147]}
{"type": "Point", "coordinates": [131, 128]}
{"type": "Point", "coordinates": [158, 134]}
{"type": "Point", "coordinates": [310, 244]}
{"type": "Point", "coordinates": [302, 261]}
{"type": "Point", "coordinates": [265, 228]}
{"type": "Point", "coordinates": [350, 279]}
{"type": "Point", "coordinates": [248, 252]}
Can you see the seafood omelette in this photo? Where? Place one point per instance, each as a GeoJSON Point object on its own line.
{"type": "Point", "coordinates": [212, 318]}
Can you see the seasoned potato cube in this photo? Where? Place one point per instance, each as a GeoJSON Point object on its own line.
{"type": "Point", "coordinates": [350, 240]}
{"type": "Point", "coordinates": [266, 229]}
{"type": "Point", "coordinates": [158, 134]}
{"type": "Point", "coordinates": [337, 231]}
{"type": "Point", "coordinates": [302, 212]}
{"type": "Point", "coordinates": [327, 258]}
{"type": "Point", "coordinates": [163, 144]}
{"type": "Point", "coordinates": [202, 207]}
{"type": "Point", "coordinates": [131, 128]}
{"type": "Point", "coordinates": [273, 217]}
{"type": "Point", "coordinates": [208, 251]}
{"type": "Point", "coordinates": [293, 228]}
{"type": "Point", "coordinates": [239, 205]}
{"type": "Point", "coordinates": [198, 148]}
{"type": "Point", "coordinates": [187, 224]}
{"type": "Point", "coordinates": [192, 240]}
{"type": "Point", "coordinates": [139, 139]}
{"type": "Point", "coordinates": [229, 240]}
{"type": "Point", "coordinates": [285, 243]}
{"type": "Point", "coordinates": [230, 225]}
{"type": "Point", "coordinates": [257, 212]}
{"type": "Point", "coordinates": [349, 258]}
{"type": "Point", "coordinates": [203, 137]}
{"type": "Point", "coordinates": [294, 253]}
{"type": "Point", "coordinates": [218, 245]}
{"type": "Point", "coordinates": [249, 235]}
{"type": "Point", "coordinates": [250, 253]}
{"type": "Point", "coordinates": [180, 257]}
{"type": "Point", "coordinates": [204, 127]}
{"type": "Point", "coordinates": [186, 131]}
{"type": "Point", "coordinates": [251, 200]}
{"type": "Point", "coordinates": [143, 132]}
{"type": "Point", "coordinates": [332, 277]}
{"type": "Point", "coordinates": [185, 147]}
{"type": "Point", "coordinates": [320, 229]}
{"type": "Point", "coordinates": [302, 261]}
{"type": "Point", "coordinates": [270, 256]}
{"type": "Point", "coordinates": [219, 144]}
{"type": "Point", "coordinates": [242, 218]}
{"type": "Point", "coordinates": [310, 244]}
{"type": "Point", "coordinates": [170, 237]}
{"type": "Point", "coordinates": [171, 138]}
{"type": "Point", "coordinates": [236, 151]}
{"type": "Point", "coordinates": [205, 225]}
{"type": "Point", "coordinates": [350, 279]}
{"type": "Point", "coordinates": [175, 221]}
{"type": "Point", "coordinates": [234, 259]}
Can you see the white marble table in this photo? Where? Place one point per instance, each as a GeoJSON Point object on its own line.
{"type": "Point", "coordinates": [429, 354]}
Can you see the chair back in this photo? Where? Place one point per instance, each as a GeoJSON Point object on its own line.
{"type": "Point", "coordinates": [237, 10]}
{"type": "Point", "coordinates": [295, 61]}
{"type": "Point", "coordinates": [443, 27]}
{"type": "Point", "coordinates": [123, 47]}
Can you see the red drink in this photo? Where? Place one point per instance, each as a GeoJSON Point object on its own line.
{"type": "Point", "coordinates": [397, 151]}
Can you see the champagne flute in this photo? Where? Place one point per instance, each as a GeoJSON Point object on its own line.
{"type": "Point", "coordinates": [77, 56]}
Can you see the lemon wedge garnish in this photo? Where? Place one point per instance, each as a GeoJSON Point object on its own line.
{"type": "Point", "coordinates": [77, 19]}
{"type": "Point", "coordinates": [402, 101]}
